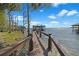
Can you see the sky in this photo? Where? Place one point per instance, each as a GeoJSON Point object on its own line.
{"type": "Point", "coordinates": [54, 16]}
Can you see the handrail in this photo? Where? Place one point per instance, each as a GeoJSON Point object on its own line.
{"type": "Point", "coordinates": [62, 51]}
{"type": "Point", "coordinates": [14, 48]}
{"type": "Point", "coordinates": [59, 48]}
{"type": "Point", "coordinates": [40, 42]}
{"type": "Point", "coordinates": [45, 33]}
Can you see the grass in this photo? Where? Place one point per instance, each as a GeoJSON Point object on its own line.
{"type": "Point", "coordinates": [10, 38]}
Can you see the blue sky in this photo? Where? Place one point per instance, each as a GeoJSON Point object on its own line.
{"type": "Point", "coordinates": [56, 15]}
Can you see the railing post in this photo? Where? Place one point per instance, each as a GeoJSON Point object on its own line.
{"type": "Point", "coordinates": [15, 53]}
{"type": "Point", "coordinates": [31, 44]}
{"type": "Point", "coordinates": [40, 34]}
{"type": "Point", "coordinates": [49, 43]}
{"type": "Point", "coordinates": [37, 31]}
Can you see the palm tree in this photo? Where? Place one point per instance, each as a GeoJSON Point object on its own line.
{"type": "Point", "coordinates": [30, 7]}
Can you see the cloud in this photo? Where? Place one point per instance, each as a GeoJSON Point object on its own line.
{"type": "Point", "coordinates": [67, 13]}
{"type": "Point", "coordinates": [41, 10]}
{"type": "Point", "coordinates": [35, 23]}
{"type": "Point", "coordinates": [62, 12]}
{"type": "Point", "coordinates": [72, 12]}
{"type": "Point", "coordinates": [20, 18]}
{"type": "Point", "coordinates": [54, 22]}
{"type": "Point", "coordinates": [57, 4]}
{"type": "Point", "coordinates": [52, 17]}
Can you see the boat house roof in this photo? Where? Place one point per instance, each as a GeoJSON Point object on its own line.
{"type": "Point", "coordinates": [76, 24]}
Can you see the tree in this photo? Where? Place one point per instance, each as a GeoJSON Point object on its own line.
{"type": "Point", "coordinates": [12, 7]}
{"type": "Point", "coordinates": [16, 23]}
{"type": "Point", "coordinates": [30, 7]}
{"type": "Point", "coordinates": [2, 16]}
{"type": "Point", "coordinates": [2, 20]}
{"type": "Point", "coordinates": [24, 19]}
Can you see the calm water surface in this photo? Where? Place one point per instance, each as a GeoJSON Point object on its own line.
{"type": "Point", "coordinates": [68, 38]}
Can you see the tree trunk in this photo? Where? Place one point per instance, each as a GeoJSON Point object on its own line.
{"type": "Point", "coordinates": [23, 20]}
{"type": "Point", "coordinates": [17, 24]}
{"type": "Point", "coordinates": [28, 19]}
{"type": "Point", "coordinates": [9, 22]}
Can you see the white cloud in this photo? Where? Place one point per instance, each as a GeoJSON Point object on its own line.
{"type": "Point", "coordinates": [54, 22]}
{"type": "Point", "coordinates": [67, 13]}
{"type": "Point", "coordinates": [72, 12]}
{"type": "Point", "coordinates": [52, 17]}
{"type": "Point", "coordinates": [35, 23]}
{"type": "Point", "coordinates": [62, 12]}
{"type": "Point", "coordinates": [41, 10]}
{"type": "Point", "coordinates": [57, 4]}
{"type": "Point", "coordinates": [20, 18]}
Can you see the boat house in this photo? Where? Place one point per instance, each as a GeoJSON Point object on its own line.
{"type": "Point", "coordinates": [75, 26]}
{"type": "Point", "coordinates": [38, 27]}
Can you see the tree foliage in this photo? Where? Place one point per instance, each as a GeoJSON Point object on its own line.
{"type": "Point", "coordinates": [3, 19]}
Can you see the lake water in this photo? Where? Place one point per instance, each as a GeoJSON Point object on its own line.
{"type": "Point", "coordinates": [68, 38]}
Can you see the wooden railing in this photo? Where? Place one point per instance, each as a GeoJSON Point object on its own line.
{"type": "Point", "coordinates": [61, 51]}
{"type": "Point", "coordinates": [13, 51]}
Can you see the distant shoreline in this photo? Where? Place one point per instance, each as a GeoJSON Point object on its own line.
{"type": "Point", "coordinates": [58, 28]}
